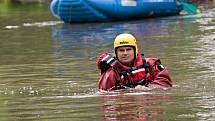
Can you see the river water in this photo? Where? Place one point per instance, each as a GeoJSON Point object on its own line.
{"type": "Point", "coordinates": [48, 71]}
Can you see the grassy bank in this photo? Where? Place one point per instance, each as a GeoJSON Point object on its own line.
{"type": "Point", "coordinates": [25, 1]}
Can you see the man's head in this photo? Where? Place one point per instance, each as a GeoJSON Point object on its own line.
{"type": "Point", "coordinates": [126, 49]}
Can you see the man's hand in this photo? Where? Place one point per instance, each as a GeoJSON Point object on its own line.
{"type": "Point", "coordinates": [104, 62]}
{"type": "Point", "coordinates": [140, 87]}
{"type": "Point", "coordinates": [99, 60]}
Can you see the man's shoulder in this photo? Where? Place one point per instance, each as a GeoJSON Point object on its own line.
{"type": "Point", "coordinates": [110, 72]}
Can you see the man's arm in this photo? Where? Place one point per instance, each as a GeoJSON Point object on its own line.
{"type": "Point", "coordinates": [108, 80]}
{"type": "Point", "coordinates": [158, 75]}
{"type": "Point", "coordinates": [162, 79]}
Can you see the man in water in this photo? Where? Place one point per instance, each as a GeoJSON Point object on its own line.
{"type": "Point", "coordinates": [129, 69]}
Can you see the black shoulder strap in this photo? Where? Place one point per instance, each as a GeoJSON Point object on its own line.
{"type": "Point", "coordinates": [121, 70]}
{"type": "Point", "coordinates": [145, 64]}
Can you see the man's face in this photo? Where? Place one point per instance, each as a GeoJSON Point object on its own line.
{"type": "Point", "coordinates": [125, 55]}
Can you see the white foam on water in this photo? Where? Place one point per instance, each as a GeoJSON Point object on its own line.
{"type": "Point", "coordinates": [73, 96]}
{"type": "Point", "coordinates": [34, 24]}
{"type": "Point", "coordinates": [42, 24]}
{"type": "Point", "coordinates": [12, 27]}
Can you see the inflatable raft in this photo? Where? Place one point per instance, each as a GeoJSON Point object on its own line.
{"type": "Point", "coordinates": [71, 11]}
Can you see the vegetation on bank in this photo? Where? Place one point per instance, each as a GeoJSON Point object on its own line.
{"type": "Point", "coordinates": [24, 1]}
{"type": "Point", "coordinates": [10, 7]}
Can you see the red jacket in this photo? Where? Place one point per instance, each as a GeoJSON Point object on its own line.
{"type": "Point", "coordinates": [112, 79]}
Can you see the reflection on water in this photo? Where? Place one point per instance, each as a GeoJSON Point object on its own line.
{"type": "Point", "coordinates": [134, 107]}
{"type": "Point", "coordinates": [48, 72]}
{"type": "Point", "coordinates": [205, 59]}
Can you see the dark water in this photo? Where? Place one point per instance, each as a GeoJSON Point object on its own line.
{"type": "Point", "coordinates": [48, 73]}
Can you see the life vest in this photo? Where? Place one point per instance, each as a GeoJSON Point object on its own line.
{"type": "Point", "coordinates": [130, 76]}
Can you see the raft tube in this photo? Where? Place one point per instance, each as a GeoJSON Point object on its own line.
{"type": "Point", "coordinates": [71, 11]}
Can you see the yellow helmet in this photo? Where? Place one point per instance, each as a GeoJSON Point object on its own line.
{"type": "Point", "coordinates": [126, 40]}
